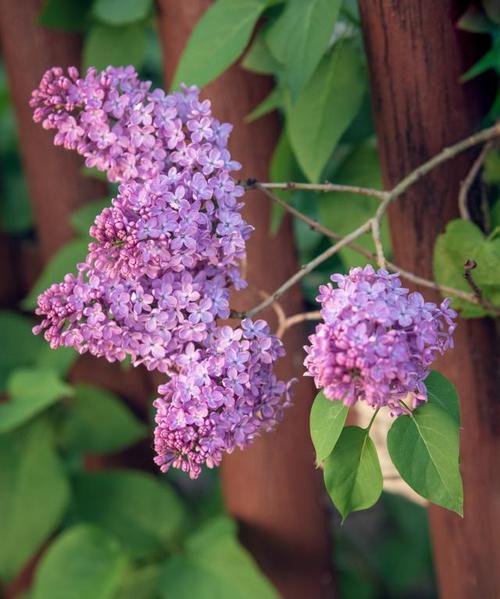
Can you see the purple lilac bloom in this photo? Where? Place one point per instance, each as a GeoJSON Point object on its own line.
{"type": "Point", "coordinates": [219, 399]}
{"type": "Point", "coordinates": [377, 340]}
{"type": "Point", "coordinates": [165, 255]}
{"type": "Point", "coordinates": [163, 259]}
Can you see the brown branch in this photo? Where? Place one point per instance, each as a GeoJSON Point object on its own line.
{"type": "Point", "coordinates": [296, 319]}
{"type": "Point", "coordinates": [391, 266]}
{"type": "Point", "coordinates": [373, 225]}
{"type": "Point", "coordinates": [319, 187]}
{"type": "Point", "coordinates": [310, 266]}
{"type": "Point", "coordinates": [469, 180]}
{"type": "Point", "coordinates": [469, 266]}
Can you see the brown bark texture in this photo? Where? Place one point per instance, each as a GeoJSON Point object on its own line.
{"type": "Point", "coordinates": [416, 56]}
{"type": "Point", "coordinates": [272, 487]}
{"type": "Point", "coordinates": [55, 184]}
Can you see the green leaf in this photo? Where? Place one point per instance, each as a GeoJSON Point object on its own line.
{"type": "Point", "coordinates": [61, 263]}
{"type": "Point", "coordinates": [362, 128]}
{"type": "Point", "coordinates": [442, 393]}
{"type": "Point", "coordinates": [58, 360]}
{"type": "Point", "coordinates": [463, 241]}
{"type": "Point", "coordinates": [326, 422]}
{"type": "Point", "coordinates": [424, 447]}
{"type": "Point", "coordinates": [492, 10]}
{"type": "Point", "coordinates": [16, 215]}
{"type": "Point", "coordinates": [116, 46]}
{"type": "Point", "coordinates": [269, 104]}
{"type": "Point", "coordinates": [326, 107]}
{"type": "Point", "coordinates": [31, 391]}
{"type": "Point", "coordinates": [354, 582]}
{"type": "Point", "coordinates": [491, 171]}
{"type": "Point", "coordinates": [475, 20]}
{"type": "Point", "coordinates": [16, 334]}
{"type": "Point", "coordinates": [140, 583]}
{"type": "Point", "coordinates": [353, 477]}
{"type": "Point", "coordinates": [490, 60]}
{"type": "Point", "coordinates": [83, 563]}
{"type": "Point", "coordinates": [405, 525]}
{"type": "Point", "coordinates": [300, 37]}
{"type": "Point", "coordinates": [258, 58]}
{"type": "Point", "coordinates": [215, 566]}
{"type": "Point", "coordinates": [33, 494]}
{"type": "Point", "coordinates": [94, 173]}
{"type": "Point", "coordinates": [83, 218]}
{"type": "Point", "coordinates": [64, 15]}
{"type": "Point", "coordinates": [283, 167]}
{"type": "Point", "coordinates": [495, 214]}
{"type": "Point", "coordinates": [344, 212]}
{"type": "Point", "coordinates": [98, 422]}
{"type": "Point", "coordinates": [135, 507]}
{"type": "Point", "coordinates": [218, 39]}
{"type": "Point", "coordinates": [121, 12]}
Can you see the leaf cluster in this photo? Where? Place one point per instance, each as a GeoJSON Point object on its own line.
{"type": "Point", "coordinates": [424, 447]}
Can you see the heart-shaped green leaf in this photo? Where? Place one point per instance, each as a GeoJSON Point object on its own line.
{"type": "Point", "coordinates": [424, 447]}
{"type": "Point", "coordinates": [442, 392]}
{"type": "Point", "coordinates": [326, 422]}
{"type": "Point", "coordinates": [83, 562]}
{"type": "Point", "coordinates": [352, 475]}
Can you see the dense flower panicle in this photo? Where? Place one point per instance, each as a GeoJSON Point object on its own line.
{"type": "Point", "coordinates": [220, 399]}
{"type": "Point", "coordinates": [377, 340]}
{"type": "Point", "coordinates": [121, 127]}
{"type": "Point", "coordinates": [162, 261]}
{"type": "Point", "coordinates": [166, 253]}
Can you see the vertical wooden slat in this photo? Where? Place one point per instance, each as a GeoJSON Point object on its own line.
{"type": "Point", "coordinates": [416, 56]}
{"type": "Point", "coordinates": [55, 184]}
{"type": "Point", "coordinates": [272, 487]}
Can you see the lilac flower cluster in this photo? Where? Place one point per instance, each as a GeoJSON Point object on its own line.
{"type": "Point", "coordinates": [219, 400]}
{"type": "Point", "coordinates": [165, 255]}
{"type": "Point", "coordinates": [377, 340]}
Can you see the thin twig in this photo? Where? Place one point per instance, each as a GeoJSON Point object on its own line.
{"type": "Point", "coordinates": [469, 266]}
{"type": "Point", "coordinates": [451, 151]}
{"type": "Point", "coordinates": [320, 187]}
{"type": "Point", "coordinates": [375, 226]}
{"type": "Point", "coordinates": [313, 224]}
{"type": "Point", "coordinates": [296, 319]}
{"type": "Point", "coordinates": [387, 198]}
{"type": "Point", "coordinates": [391, 266]}
{"type": "Point", "coordinates": [372, 419]}
{"type": "Point", "coordinates": [469, 180]}
{"type": "Point", "coordinates": [277, 307]}
{"type": "Point", "coordinates": [310, 266]}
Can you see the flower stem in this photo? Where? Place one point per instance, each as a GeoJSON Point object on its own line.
{"type": "Point", "coordinates": [371, 420]}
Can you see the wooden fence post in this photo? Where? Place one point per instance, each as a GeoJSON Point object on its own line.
{"type": "Point", "coordinates": [416, 56]}
{"type": "Point", "coordinates": [272, 487]}
{"type": "Point", "coordinates": [55, 183]}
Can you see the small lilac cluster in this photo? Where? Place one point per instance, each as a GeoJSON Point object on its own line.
{"type": "Point", "coordinates": [377, 340]}
{"type": "Point", "coordinates": [221, 399]}
{"type": "Point", "coordinates": [165, 255]}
